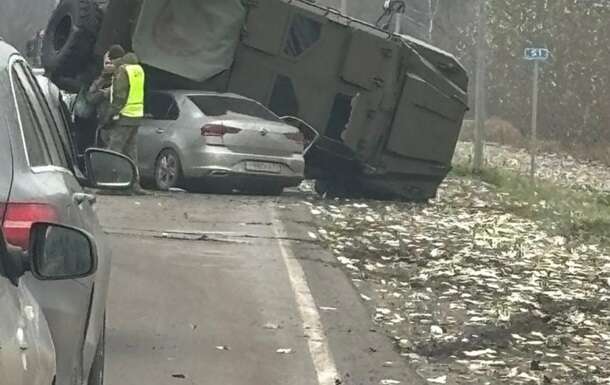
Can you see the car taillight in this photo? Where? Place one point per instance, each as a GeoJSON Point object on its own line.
{"type": "Point", "coordinates": [214, 133]}
{"type": "Point", "coordinates": [19, 218]}
{"type": "Point", "coordinates": [296, 137]}
{"type": "Point", "coordinates": [218, 130]}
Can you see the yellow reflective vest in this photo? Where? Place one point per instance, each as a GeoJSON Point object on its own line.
{"type": "Point", "coordinates": [134, 108]}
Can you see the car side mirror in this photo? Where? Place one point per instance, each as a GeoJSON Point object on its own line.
{"type": "Point", "coordinates": [110, 170]}
{"type": "Point", "coordinates": [60, 253]}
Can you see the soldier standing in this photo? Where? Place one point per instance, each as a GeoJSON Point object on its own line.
{"type": "Point", "coordinates": [126, 108]}
{"type": "Point", "coordinates": [98, 94]}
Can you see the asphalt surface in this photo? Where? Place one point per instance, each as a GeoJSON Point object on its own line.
{"type": "Point", "coordinates": [213, 289]}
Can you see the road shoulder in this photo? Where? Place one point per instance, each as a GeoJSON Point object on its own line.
{"type": "Point", "coordinates": [363, 354]}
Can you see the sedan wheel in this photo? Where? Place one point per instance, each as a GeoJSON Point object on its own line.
{"type": "Point", "coordinates": [167, 170]}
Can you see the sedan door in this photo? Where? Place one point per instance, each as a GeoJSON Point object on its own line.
{"type": "Point", "coordinates": [27, 356]}
{"type": "Point", "coordinates": [155, 130]}
{"type": "Point", "coordinates": [26, 351]}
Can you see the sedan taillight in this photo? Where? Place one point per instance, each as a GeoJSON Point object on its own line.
{"type": "Point", "coordinates": [296, 137]}
{"type": "Point", "coordinates": [218, 130]}
{"type": "Point", "coordinates": [19, 218]}
{"type": "Point", "coordinates": [214, 133]}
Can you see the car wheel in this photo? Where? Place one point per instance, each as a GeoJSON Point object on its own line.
{"type": "Point", "coordinates": [168, 170]}
{"type": "Point", "coordinates": [96, 375]}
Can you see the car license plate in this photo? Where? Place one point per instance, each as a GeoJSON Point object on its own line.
{"type": "Point", "coordinates": [272, 168]}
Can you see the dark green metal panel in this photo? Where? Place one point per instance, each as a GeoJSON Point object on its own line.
{"type": "Point", "coordinates": [427, 121]}
{"type": "Point", "coordinates": [365, 60]}
{"type": "Point", "coordinates": [266, 25]}
{"type": "Point", "coordinates": [244, 82]}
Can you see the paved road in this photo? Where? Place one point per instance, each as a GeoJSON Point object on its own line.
{"type": "Point", "coordinates": [205, 289]}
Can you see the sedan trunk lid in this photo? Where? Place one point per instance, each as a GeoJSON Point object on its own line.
{"type": "Point", "coordinates": [260, 137]}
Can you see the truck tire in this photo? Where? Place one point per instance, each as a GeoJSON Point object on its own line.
{"type": "Point", "coordinates": [70, 37]}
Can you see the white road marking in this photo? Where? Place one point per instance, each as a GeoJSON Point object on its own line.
{"type": "Point", "coordinates": [312, 324]}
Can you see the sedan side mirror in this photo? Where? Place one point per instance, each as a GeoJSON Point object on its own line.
{"type": "Point", "coordinates": [60, 252]}
{"type": "Point", "coordinates": [110, 170]}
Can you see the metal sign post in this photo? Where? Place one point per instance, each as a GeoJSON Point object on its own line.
{"type": "Point", "coordinates": [480, 91]}
{"type": "Point", "coordinates": [536, 55]}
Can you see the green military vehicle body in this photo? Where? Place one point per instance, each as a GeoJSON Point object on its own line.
{"type": "Point", "coordinates": [388, 108]}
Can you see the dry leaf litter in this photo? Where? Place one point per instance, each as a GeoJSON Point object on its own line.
{"type": "Point", "coordinates": [472, 294]}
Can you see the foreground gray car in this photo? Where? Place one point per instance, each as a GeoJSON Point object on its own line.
{"type": "Point", "coordinates": [56, 256]}
{"type": "Point", "coordinates": [217, 140]}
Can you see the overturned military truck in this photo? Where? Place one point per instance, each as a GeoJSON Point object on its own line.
{"type": "Point", "coordinates": [388, 108]}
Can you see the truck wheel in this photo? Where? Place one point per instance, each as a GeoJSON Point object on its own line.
{"type": "Point", "coordinates": [70, 37]}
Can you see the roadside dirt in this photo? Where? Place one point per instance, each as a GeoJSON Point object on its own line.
{"type": "Point", "coordinates": [473, 294]}
{"type": "Point", "coordinates": [561, 169]}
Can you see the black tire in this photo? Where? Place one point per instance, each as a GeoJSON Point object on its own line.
{"type": "Point", "coordinates": [70, 37]}
{"type": "Point", "coordinates": [168, 170]}
{"type": "Point", "coordinates": [96, 374]}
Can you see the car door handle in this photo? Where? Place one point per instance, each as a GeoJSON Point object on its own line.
{"type": "Point", "coordinates": [80, 198]}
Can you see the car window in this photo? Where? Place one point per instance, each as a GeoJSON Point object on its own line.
{"type": "Point", "coordinates": [36, 147]}
{"type": "Point", "coordinates": [42, 118]}
{"type": "Point", "coordinates": [162, 107]}
{"type": "Point", "coordinates": [61, 116]}
{"type": "Point", "coordinates": [217, 106]}
{"type": "Point", "coordinates": [49, 124]}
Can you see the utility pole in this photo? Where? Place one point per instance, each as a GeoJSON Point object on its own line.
{"type": "Point", "coordinates": [343, 7]}
{"type": "Point", "coordinates": [534, 139]}
{"type": "Point", "coordinates": [481, 90]}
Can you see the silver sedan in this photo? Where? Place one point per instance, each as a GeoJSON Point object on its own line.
{"type": "Point", "coordinates": [213, 140]}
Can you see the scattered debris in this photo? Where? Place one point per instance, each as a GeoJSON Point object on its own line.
{"type": "Point", "coordinates": [328, 308]}
{"type": "Point", "coordinates": [436, 331]}
{"type": "Point", "coordinates": [561, 169]}
{"type": "Point", "coordinates": [271, 326]}
{"type": "Point", "coordinates": [466, 281]}
{"type": "Point", "coordinates": [438, 380]}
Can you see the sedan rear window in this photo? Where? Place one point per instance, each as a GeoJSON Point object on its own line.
{"type": "Point", "coordinates": [226, 106]}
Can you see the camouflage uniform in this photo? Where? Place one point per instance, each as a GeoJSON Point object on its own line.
{"type": "Point", "coordinates": [121, 131]}
{"type": "Point", "coordinates": [98, 95]}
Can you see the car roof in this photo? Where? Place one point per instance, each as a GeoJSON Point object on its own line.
{"type": "Point", "coordinates": [6, 51]}
{"type": "Point", "coordinates": [183, 93]}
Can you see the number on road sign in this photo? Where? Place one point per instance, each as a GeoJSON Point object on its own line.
{"type": "Point", "coordinates": [537, 54]}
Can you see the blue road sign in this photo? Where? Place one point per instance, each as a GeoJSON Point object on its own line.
{"type": "Point", "coordinates": [541, 54]}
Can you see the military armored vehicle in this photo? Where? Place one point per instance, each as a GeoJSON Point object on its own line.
{"type": "Point", "coordinates": [388, 108]}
